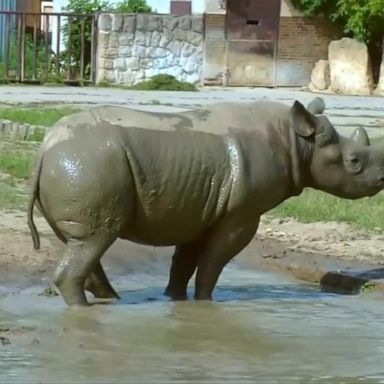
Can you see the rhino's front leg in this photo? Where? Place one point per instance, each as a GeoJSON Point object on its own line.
{"type": "Point", "coordinates": [98, 284]}
{"type": "Point", "coordinates": [184, 263]}
{"type": "Point", "coordinates": [223, 243]}
{"type": "Point", "coordinates": [79, 259]}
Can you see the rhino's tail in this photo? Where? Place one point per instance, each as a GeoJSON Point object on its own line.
{"type": "Point", "coordinates": [31, 204]}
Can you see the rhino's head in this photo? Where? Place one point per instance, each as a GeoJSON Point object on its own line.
{"type": "Point", "coordinates": [346, 167]}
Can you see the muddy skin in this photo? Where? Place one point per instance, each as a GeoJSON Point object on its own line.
{"type": "Point", "coordinates": [198, 181]}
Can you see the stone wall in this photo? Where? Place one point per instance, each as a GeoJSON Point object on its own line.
{"type": "Point", "coordinates": [16, 131]}
{"type": "Point", "coordinates": [135, 47]}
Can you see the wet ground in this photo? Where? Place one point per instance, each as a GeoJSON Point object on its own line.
{"type": "Point", "coordinates": [261, 329]}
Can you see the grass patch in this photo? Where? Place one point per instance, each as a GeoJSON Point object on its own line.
{"type": "Point", "coordinates": [37, 135]}
{"type": "Point", "coordinates": [164, 83]}
{"type": "Point", "coordinates": [36, 116]}
{"type": "Point", "coordinates": [16, 158]}
{"type": "Point", "coordinates": [312, 206]}
{"type": "Point", "coordinates": [368, 287]}
{"type": "Point", "coordinates": [161, 82]}
{"type": "Point", "coordinates": [15, 164]}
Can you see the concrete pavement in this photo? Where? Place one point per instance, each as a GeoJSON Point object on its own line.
{"type": "Point", "coordinates": [346, 112]}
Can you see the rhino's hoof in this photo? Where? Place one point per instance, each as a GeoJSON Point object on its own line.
{"type": "Point", "coordinates": [176, 296]}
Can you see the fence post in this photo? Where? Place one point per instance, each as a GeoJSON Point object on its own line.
{"type": "Point", "coordinates": [94, 46]}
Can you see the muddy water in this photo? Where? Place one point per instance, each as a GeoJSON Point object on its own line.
{"type": "Point", "coordinates": [262, 328]}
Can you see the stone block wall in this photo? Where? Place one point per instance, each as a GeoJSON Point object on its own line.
{"type": "Point", "coordinates": [135, 47]}
{"type": "Point", "coordinates": [10, 130]}
{"type": "Point", "coordinates": [302, 42]}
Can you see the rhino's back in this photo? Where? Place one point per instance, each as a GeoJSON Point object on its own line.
{"type": "Point", "coordinates": [176, 182]}
{"type": "Point", "coordinates": [216, 118]}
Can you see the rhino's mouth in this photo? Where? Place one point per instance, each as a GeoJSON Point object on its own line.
{"type": "Point", "coordinates": [358, 193]}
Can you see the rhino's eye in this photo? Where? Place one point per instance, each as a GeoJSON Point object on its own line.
{"type": "Point", "coordinates": [355, 164]}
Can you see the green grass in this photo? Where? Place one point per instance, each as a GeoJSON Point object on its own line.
{"type": "Point", "coordinates": [37, 135]}
{"type": "Point", "coordinates": [312, 206]}
{"type": "Point", "coordinates": [36, 116]}
{"type": "Point", "coordinates": [164, 82]}
{"type": "Point", "coordinates": [161, 82]}
{"type": "Point", "coordinates": [17, 165]}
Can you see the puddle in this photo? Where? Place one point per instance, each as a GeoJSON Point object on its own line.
{"type": "Point", "coordinates": [260, 328]}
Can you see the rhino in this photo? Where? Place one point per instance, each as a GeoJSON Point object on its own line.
{"type": "Point", "coordinates": [196, 180]}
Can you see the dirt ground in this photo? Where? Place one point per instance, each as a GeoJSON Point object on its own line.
{"type": "Point", "coordinates": [306, 251]}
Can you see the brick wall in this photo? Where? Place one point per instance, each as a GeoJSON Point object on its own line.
{"type": "Point", "coordinates": [302, 41]}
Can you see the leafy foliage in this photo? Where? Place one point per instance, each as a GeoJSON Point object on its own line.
{"type": "Point", "coordinates": [164, 82]}
{"type": "Point", "coordinates": [132, 6]}
{"type": "Point", "coordinates": [362, 19]}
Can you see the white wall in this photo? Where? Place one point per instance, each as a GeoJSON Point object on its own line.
{"type": "Point", "coordinates": [288, 10]}
{"type": "Point", "coordinates": [214, 6]}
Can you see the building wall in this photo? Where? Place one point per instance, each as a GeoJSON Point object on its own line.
{"type": "Point", "coordinates": [215, 6]}
{"type": "Point", "coordinates": [133, 48]}
{"type": "Point", "coordinates": [302, 42]}
{"type": "Point", "coordinates": [215, 54]}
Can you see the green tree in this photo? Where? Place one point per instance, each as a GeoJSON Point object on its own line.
{"type": "Point", "coordinates": [72, 36]}
{"type": "Point", "coordinates": [133, 6]}
{"type": "Point", "coordinates": [360, 19]}
{"type": "Point", "coordinates": [72, 33]}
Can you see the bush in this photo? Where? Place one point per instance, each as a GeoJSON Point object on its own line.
{"type": "Point", "coordinates": [133, 6]}
{"type": "Point", "coordinates": [164, 82]}
{"type": "Point", "coordinates": [29, 53]}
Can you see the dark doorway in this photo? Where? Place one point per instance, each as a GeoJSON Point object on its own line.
{"type": "Point", "coordinates": [252, 31]}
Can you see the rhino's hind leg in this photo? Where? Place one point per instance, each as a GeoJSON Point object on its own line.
{"type": "Point", "coordinates": [78, 260]}
{"type": "Point", "coordinates": [98, 284]}
{"type": "Point", "coordinates": [184, 263]}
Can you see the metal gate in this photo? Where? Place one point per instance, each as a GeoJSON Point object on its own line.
{"type": "Point", "coordinates": [48, 47]}
{"type": "Point", "coordinates": [252, 37]}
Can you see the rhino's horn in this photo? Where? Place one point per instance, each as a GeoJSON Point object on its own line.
{"type": "Point", "coordinates": [360, 136]}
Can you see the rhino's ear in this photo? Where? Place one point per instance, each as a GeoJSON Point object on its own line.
{"type": "Point", "coordinates": [360, 136]}
{"type": "Point", "coordinates": [316, 106]}
{"type": "Point", "coordinates": [302, 121]}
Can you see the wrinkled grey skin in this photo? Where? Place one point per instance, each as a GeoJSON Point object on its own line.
{"type": "Point", "coordinates": [197, 180]}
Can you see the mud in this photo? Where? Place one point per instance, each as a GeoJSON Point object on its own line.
{"type": "Point", "coordinates": [306, 251]}
{"type": "Point", "coordinates": [263, 326]}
